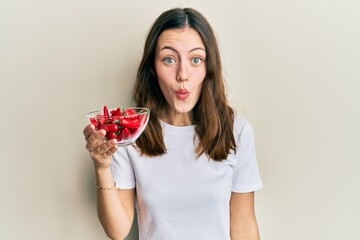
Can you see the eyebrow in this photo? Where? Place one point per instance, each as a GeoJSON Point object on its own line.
{"type": "Point", "coordinates": [173, 49]}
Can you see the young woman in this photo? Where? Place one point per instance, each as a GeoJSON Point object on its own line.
{"type": "Point", "coordinates": [194, 169]}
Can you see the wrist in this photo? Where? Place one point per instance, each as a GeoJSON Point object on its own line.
{"type": "Point", "coordinates": [102, 169]}
{"type": "Point", "coordinates": [99, 188]}
{"type": "Point", "coordinates": [103, 174]}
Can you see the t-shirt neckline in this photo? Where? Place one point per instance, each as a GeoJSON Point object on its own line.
{"type": "Point", "coordinates": [177, 129]}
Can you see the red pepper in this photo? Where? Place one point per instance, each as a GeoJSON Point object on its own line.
{"type": "Point", "coordinates": [142, 119]}
{"type": "Point", "coordinates": [106, 111]}
{"type": "Point", "coordinates": [101, 119]}
{"type": "Point", "coordinates": [127, 123]}
{"type": "Point", "coordinates": [131, 117]}
{"type": "Point", "coordinates": [127, 134]}
{"type": "Point", "coordinates": [119, 124]}
{"type": "Point", "coordinates": [129, 112]}
{"type": "Point", "coordinates": [94, 122]}
{"type": "Point", "coordinates": [116, 112]}
{"type": "Point", "coordinates": [137, 122]}
{"type": "Point", "coordinates": [116, 119]}
{"type": "Point", "coordinates": [111, 135]}
{"type": "Point", "coordinates": [110, 127]}
{"type": "Point", "coordinates": [120, 136]}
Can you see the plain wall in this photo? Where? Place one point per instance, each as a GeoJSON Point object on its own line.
{"type": "Point", "coordinates": [291, 67]}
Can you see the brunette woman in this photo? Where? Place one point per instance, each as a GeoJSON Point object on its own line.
{"type": "Point", "coordinates": [194, 169]}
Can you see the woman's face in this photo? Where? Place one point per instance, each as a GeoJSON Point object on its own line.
{"type": "Point", "coordinates": [180, 69]}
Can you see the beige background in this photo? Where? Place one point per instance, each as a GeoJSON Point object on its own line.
{"type": "Point", "coordinates": [292, 68]}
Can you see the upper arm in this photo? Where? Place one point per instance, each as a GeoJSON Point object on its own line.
{"type": "Point", "coordinates": [243, 223]}
{"type": "Point", "coordinates": [127, 197]}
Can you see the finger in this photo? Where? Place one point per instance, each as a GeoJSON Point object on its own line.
{"type": "Point", "coordinates": [108, 153]}
{"type": "Point", "coordinates": [107, 148]}
{"type": "Point", "coordinates": [111, 151]}
{"type": "Point", "coordinates": [88, 130]}
{"type": "Point", "coordinates": [95, 139]}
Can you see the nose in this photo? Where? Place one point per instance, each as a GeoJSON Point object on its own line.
{"type": "Point", "coordinates": [182, 74]}
{"type": "Point", "coordinates": [181, 79]}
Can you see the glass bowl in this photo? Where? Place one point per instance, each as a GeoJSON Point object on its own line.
{"type": "Point", "coordinates": [123, 124]}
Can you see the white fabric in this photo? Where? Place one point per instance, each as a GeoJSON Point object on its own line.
{"type": "Point", "coordinates": [181, 197]}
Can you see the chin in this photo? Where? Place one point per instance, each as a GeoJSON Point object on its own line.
{"type": "Point", "coordinates": [184, 109]}
{"type": "Point", "coordinates": [181, 106]}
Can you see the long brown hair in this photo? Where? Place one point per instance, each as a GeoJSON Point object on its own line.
{"type": "Point", "coordinates": [213, 116]}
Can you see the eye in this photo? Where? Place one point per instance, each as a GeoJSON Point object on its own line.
{"type": "Point", "coordinates": [196, 60]}
{"type": "Point", "coordinates": [169, 60]}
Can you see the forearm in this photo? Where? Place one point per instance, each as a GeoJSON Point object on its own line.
{"type": "Point", "coordinates": [115, 218]}
{"type": "Point", "coordinates": [246, 234]}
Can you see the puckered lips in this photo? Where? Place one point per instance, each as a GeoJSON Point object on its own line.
{"type": "Point", "coordinates": [182, 94]}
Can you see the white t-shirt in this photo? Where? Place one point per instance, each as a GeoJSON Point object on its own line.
{"type": "Point", "coordinates": [181, 197]}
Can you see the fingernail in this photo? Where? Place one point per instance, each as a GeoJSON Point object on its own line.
{"type": "Point", "coordinates": [92, 126]}
{"type": "Point", "coordinates": [114, 141]}
{"type": "Point", "coordinates": [103, 132]}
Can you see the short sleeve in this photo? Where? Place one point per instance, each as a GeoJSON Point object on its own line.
{"type": "Point", "coordinates": [246, 176]}
{"type": "Point", "coordinates": [122, 170]}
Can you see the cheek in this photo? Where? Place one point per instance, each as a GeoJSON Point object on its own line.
{"type": "Point", "coordinates": [165, 86]}
{"type": "Point", "coordinates": [163, 80]}
{"type": "Point", "coordinates": [200, 80]}
{"type": "Point", "coordinates": [164, 74]}
{"type": "Point", "coordinates": [200, 75]}
{"type": "Point", "coordinates": [199, 90]}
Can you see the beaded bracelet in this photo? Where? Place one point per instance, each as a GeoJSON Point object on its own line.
{"type": "Point", "coordinates": [101, 188]}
